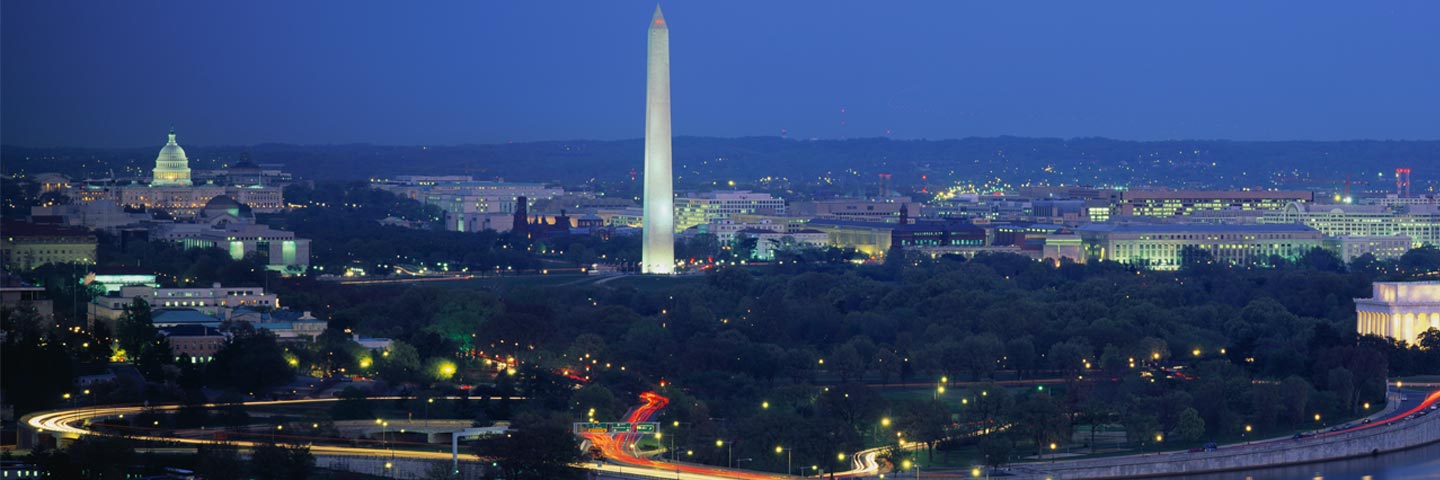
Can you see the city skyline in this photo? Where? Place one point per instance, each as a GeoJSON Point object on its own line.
{"type": "Point", "coordinates": [1128, 71]}
{"type": "Point", "coordinates": [722, 306]}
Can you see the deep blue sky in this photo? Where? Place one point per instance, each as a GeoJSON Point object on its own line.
{"type": "Point", "coordinates": [118, 73]}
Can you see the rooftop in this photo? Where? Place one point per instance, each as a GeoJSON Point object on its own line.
{"type": "Point", "coordinates": [1194, 228]}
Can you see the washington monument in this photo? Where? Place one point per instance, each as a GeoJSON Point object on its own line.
{"type": "Point", "coordinates": [658, 253]}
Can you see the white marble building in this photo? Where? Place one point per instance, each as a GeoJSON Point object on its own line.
{"type": "Point", "coordinates": [1399, 310]}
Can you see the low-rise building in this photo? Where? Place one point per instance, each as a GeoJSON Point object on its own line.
{"type": "Point", "coordinates": [15, 293]}
{"type": "Point", "coordinates": [199, 342]}
{"type": "Point", "coordinates": [769, 242]}
{"type": "Point", "coordinates": [286, 324]}
{"type": "Point", "coordinates": [216, 301]}
{"type": "Point", "coordinates": [1348, 248]}
{"type": "Point", "coordinates": [1399, 310]}
{"type": "Point", "coordinates": [24, 246]}
{"type": "Point", "coordinates": [870, 238]}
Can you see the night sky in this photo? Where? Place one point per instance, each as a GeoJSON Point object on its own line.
{"type": "Point", "coordinates": [119, 73]}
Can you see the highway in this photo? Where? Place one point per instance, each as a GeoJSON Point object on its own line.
{"type": "Point", "coordinates": [71, 422]}
{"type": "Point", "coordinates": [618, 449]}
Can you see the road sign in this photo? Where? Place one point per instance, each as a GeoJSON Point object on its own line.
{"type": "Point", "coordinates": [645, 428]}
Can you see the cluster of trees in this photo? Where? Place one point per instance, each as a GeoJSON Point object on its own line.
{"type": "Point", "coordinates": [1277, 344]}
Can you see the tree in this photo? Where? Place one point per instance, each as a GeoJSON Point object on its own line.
{"type": "Point", "coordinates": [1189, 427]}
{"type": "Point", "coordinates": [537, 448]}
{"type": "Point", "coordinates": [103, 457]}
{"type": "Point", "coordinates": [460, 316]}
{"type": "Point", "coordinates": [250, 361]}
{"type": "Point", "coordinates": [1421, 260]}
{"type": "Point", "coordinates": [282, 462]}
{"type": "Point", "coordinates": [1069, 356]}
{"type": "Point", "coordinates": [1340, 381]}
{"type": "Point", "coordinates": [984, 353]}
{"type": "Point", "coordinates": [219, 462]}
{"type": "Point", "coordinates": [997, 449]}
{"type": "Point", "coordinates": [399, 364]}
{"type": "Point", "coordinates": [847, 362]}
{"type": "Point", "coordinates": [48, 369]}
{"type": "Point", "coordinates": [857, 405]}
{"type": "Point", "coordinates": [1020, 355]}
{"type": "Point", "coordinates": [595, 401]}
{"type": "Point", "coordinates": [888, 364]}
{"type": "Point", "coordinates": [1295, 395]}
{"type": "Point", "coordinates": [922, 421]}
{"type": "Point", "coordinates": [141, 342]}
{"type": "Point", "coordinates": [1041, 420]}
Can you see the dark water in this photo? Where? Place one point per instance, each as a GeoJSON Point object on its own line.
{"type": "Point", "coordinates": [1416, 463]}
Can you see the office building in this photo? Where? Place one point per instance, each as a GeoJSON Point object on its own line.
{"type": "Point", "coordinates": [712, 207]}
{"type": "Point", "coordinates": [1160, 246]}
{"type": "Point", "coordinates": [24, 246]}
{"type": "Point", "coordinates": [1170, 203]}
{"type": "Point", "coordinates": [1421, 223]}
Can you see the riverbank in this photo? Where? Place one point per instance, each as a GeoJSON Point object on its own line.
{"type": "Point", "coordinates": [1373, 439]}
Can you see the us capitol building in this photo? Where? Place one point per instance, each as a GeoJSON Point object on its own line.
{"type": "Point", "coordinates": [173, 190]}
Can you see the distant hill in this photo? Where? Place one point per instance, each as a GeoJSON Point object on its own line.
{"type": "Point", "coordinates": [703, 160]}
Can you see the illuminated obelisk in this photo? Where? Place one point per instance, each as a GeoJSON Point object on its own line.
{"type": "Point", "coordinates": [657, 255]}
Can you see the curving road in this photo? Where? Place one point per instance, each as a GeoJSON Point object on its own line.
{"type": "Point", "coordinates": [71, 423]}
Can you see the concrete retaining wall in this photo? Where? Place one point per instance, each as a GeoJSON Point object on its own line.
{"type": "Point", "coordinates": [1410, 434]}
{"type": "Point", "coordinates": [399, 468]}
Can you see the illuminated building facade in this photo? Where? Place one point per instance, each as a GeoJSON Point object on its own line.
{"type": "Point", "coordinates": [173, 190]}
{"type": "Point", "coordinates": [216, 301]}
{"type": "Point", "coordinates": [24, 246]}
{"type": "Point", "coordinates": [1421, 223]}
{"type": "Point", "coordinates": [226, 224]}
{"type": "Point", "coordinates": [712, 207]}
{"type": "Point", "coordinates": [1348, 248]}
{"type": "Point", "coordinates": [869, 210]}
{"type": "Point", "coordinates": [1170, 203]}
{"type": "Point", "coordinates": [1159, 246]}
{"type": "Point", "coordinates": [769, 242]}
{"type": "Point", "coordinates": [1399, 310]}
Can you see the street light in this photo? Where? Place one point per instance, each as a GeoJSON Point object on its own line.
{"type": "Point", "coordinates": [730, 452]}
{"type": "Point", "coordinates": [778, 450]}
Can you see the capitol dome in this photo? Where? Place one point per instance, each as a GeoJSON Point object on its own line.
{"type": "Point", "coordinates": [172, 167]}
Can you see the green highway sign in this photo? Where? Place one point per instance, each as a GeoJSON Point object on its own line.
{"type": "Point", "coordinates": [616, 427]}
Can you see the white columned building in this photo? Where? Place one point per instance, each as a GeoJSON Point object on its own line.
{"type": "Point", "coordinates": [1399, 310]}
